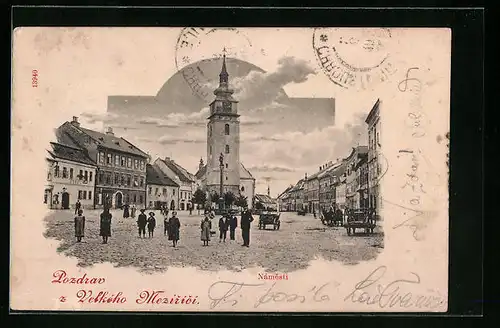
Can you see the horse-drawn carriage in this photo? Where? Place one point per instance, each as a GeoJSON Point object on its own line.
{"type": "Point", "coordinates": [359, 219]}
{"type": "Point", "coordinates": [331, 218]}
{"type": "Point", "coordinates": [269, 218]}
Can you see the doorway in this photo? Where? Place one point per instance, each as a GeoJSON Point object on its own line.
{"type": "Point", "coordinates": [65, 201]}
{"type": "Point", "coordinates": [118, 200]}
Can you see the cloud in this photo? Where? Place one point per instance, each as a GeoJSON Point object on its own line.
{"type": "Point", "coordinates": [266, 168]}
{"type": "Point", "coordinates": [107, 117]}
{"type": "Point", "coordinates": [177, 120]}
{"type": "Point", "coordinates": [264, 88]}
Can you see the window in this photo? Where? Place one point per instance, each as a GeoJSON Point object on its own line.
{"type": "Point", "coordinates": [210, 150]}
{"type": "Point", "coordinates": [140, 199]}
{"type": "Point", "coordinates": [226, 129]}
{"type": "Point", "coordinates": [117, 160]}
{"type": "Point", "coordinates": [164, 192]}
{"type": "Point", "coordinates": [101, 157]}
{"type": "Point", "coordinates": [135, 198]}
{"type": "Point", "coordinates": [56, 171]}
{"type": "Point", "coordinates": [150, 190]}
{"type": "Point", "coordinates": [90, 176]}
{"type": "Point", "coordinates": [65, 173]}
{"type": "Point", "coordinates": [227, 149]}
{"type": "Point", "coordinates": [101, 177]}
{"type": "Point", "coordinates": [226, 177]}
{"type": "Point", "coordinates": [128, 180]}
{"type": "Point", "coordinates": [123, 163]}
{"type": "Point", "coordinates": [142, 165]}
{"type": "Point", "coordinates": [136, 183]}
{"type": "Point", "coordinates": [129, 162]}
{"type": "Point", "coordinates": [226, 166]}
{"type": "Point", "coordinates": [242, 188]}
{"type": "Point", "coordinates": [110, 160]}
{"type": "Point", "coordinates": [86, 176]}
{"type": "Point", "coordinates": [79, 194]}
{"type": "Point", "coordinates": [174, 192]}
{"type": "Point", "coordinates": [108, 178]}
{"type": "Point", "coordinates": [142, 182]}
{"type": "Point", "coordinates": [136, 164]}
{"type": "Point", "coordinates": [85, 194]}
{"type": "Point", "coordinates": [117, 178]}
{"type": "Point", "coordinates": [156, 191]}
{"type": "Point", "coordinates": [90, 194]}
{"type": "Point", "coordinates": [150, 204]}
{"type": "Point", "coordinates": [71, 173]}
{"type": "Point", "coordinates": [122, 182]}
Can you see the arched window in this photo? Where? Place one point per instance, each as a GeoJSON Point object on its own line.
{"type": "Point", "coordinates": [227, 149]}
{"type": "Point", "coordinates": [226, 129]}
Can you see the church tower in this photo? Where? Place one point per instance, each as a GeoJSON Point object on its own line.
{"type": "Point", "coordinates": [223, 137]}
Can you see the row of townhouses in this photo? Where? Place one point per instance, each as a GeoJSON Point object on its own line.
{"type": "Point", "coordinates": [351, 182]}
{"type": "Point", "coordinates": [102, 168]}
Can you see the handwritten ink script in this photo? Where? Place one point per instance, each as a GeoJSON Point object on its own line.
{"type": "Point", "coordinates": [413, 185]}
{"type": "Point", "coordinates": [372, 291]}
{"type": "Point", "coordinates": [231, 293]}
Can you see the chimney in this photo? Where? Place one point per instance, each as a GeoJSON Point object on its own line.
{"type": "Point", "coordinates": [110, 131]}
{"type": "Point", "coordinates": [75, 121]}
{"type": "Point", "coordinates": [167, 159]}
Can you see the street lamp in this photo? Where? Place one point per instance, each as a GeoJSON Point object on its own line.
{"type": "Point", "coordinates": [221, 191]}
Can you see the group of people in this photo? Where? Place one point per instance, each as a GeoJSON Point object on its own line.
{"type": "Point", "coordinates": [227, 222]}
{"type": "Point", "coordinates": [104, 226]}
{"type": "Point", "coordinates": [171, 225]}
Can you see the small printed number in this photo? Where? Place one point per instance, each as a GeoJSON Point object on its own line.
{"type": "Point", "coordinates": [34, 78]}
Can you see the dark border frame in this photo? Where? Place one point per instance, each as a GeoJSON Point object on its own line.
{"type": "Point", "coordinates": [467, 110]}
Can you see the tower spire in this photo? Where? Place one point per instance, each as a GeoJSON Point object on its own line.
{"type": "Point", "coordinates": [223, 76]}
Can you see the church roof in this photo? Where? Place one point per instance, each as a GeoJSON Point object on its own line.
{"type": "Point", "coordinates": [264, 199]}
{"type": "Point", "coordinates": [155, 176]}
{"type": "Point", "coordinates": [244, 173]}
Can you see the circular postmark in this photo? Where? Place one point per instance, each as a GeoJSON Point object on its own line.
{"type": "Point", "coordinates": [354, 58]}
{"type": "Point", "coordinates": [199, 44]}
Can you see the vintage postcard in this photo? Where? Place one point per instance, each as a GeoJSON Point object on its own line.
{"type": "Point", "coordinates": [230, 169]}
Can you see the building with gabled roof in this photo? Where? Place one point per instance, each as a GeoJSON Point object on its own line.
{"type": "Point", "coordinates": [70, 177]}
{"type": "Point", "coordinates": [121, 166]}
{"type": "Point", "coordinates": [161, 190]}
{"type": "Point", "coordinates": [185, 180]}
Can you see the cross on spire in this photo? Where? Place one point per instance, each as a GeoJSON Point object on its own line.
{"type": "Point", "coordinates": [223, 76]}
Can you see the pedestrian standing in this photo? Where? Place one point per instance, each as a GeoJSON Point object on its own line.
{"type": "Point", "coordinates": [174, 227]}
{"type": "Point", "coordinates": [133, 209]}
{"type": "Point", "coordinates": [223, 228]}
{"type": "Point", "coordinates": [246, 220]}
{"type": "Point", "coordinates": [165, 226]}
{"type": "Point", "coordinates": [78, 206]}
{"type": "Point", "coordinates": [126, 213]}
{"type": "Point", "coordinates": [205, 230]}
{"type": "Point", "coordinates": [141, 223]}
{"type": "Point", "coordinates": [105, 228]}
{"type": "Point", "coordinates": [190, 209]}
{"type": "Point", "coordinates": [233, 224]}
{"type": "Point", "coordinates": [151, 224]}
{"type": "Point", "coordinates": [79, 226]}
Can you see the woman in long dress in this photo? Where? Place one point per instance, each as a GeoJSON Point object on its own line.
{"type": "Point", "coordinates": [174, 226]}
{"type": "Point", "coordinates": [105, 228]}
{"type": "Point", "coordinates": [126, 211]}
{"type": "Point", "coordinates": [79, 226]}
{"type": "Point", "coordinates": [133, 209]}
{"type": "Point", "coordinates": [205, 231]}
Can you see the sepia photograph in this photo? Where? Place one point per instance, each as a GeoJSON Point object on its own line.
{"type": "Point", "coordinates": [230, 169]}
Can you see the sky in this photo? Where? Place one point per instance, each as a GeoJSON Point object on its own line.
{"type": "Point", "coordinates": [293, 118]}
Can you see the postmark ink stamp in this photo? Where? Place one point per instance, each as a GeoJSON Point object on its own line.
{"type": "Point", "coordinates": [354, 58]}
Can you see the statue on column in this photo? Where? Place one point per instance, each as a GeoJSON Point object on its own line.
{"type": "Point", "coordinates": [221, 159]}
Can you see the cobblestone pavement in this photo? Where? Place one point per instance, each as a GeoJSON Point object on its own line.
{"type": "Point", "coordinates": [299, 240]}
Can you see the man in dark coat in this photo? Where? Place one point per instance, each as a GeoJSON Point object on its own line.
{"type": "Point", "coordinates": [246, 220]}
{"type": "Point", "coordinates": [142, 220]}
{"type": "Point", "coordinates": [233, 224]}
{"type": "Point", "coordinates": [223, 225]}
{"type": "Point", "coordinates": [78, 206]}
{"type": "Point", "coordinates": [174, 226]}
